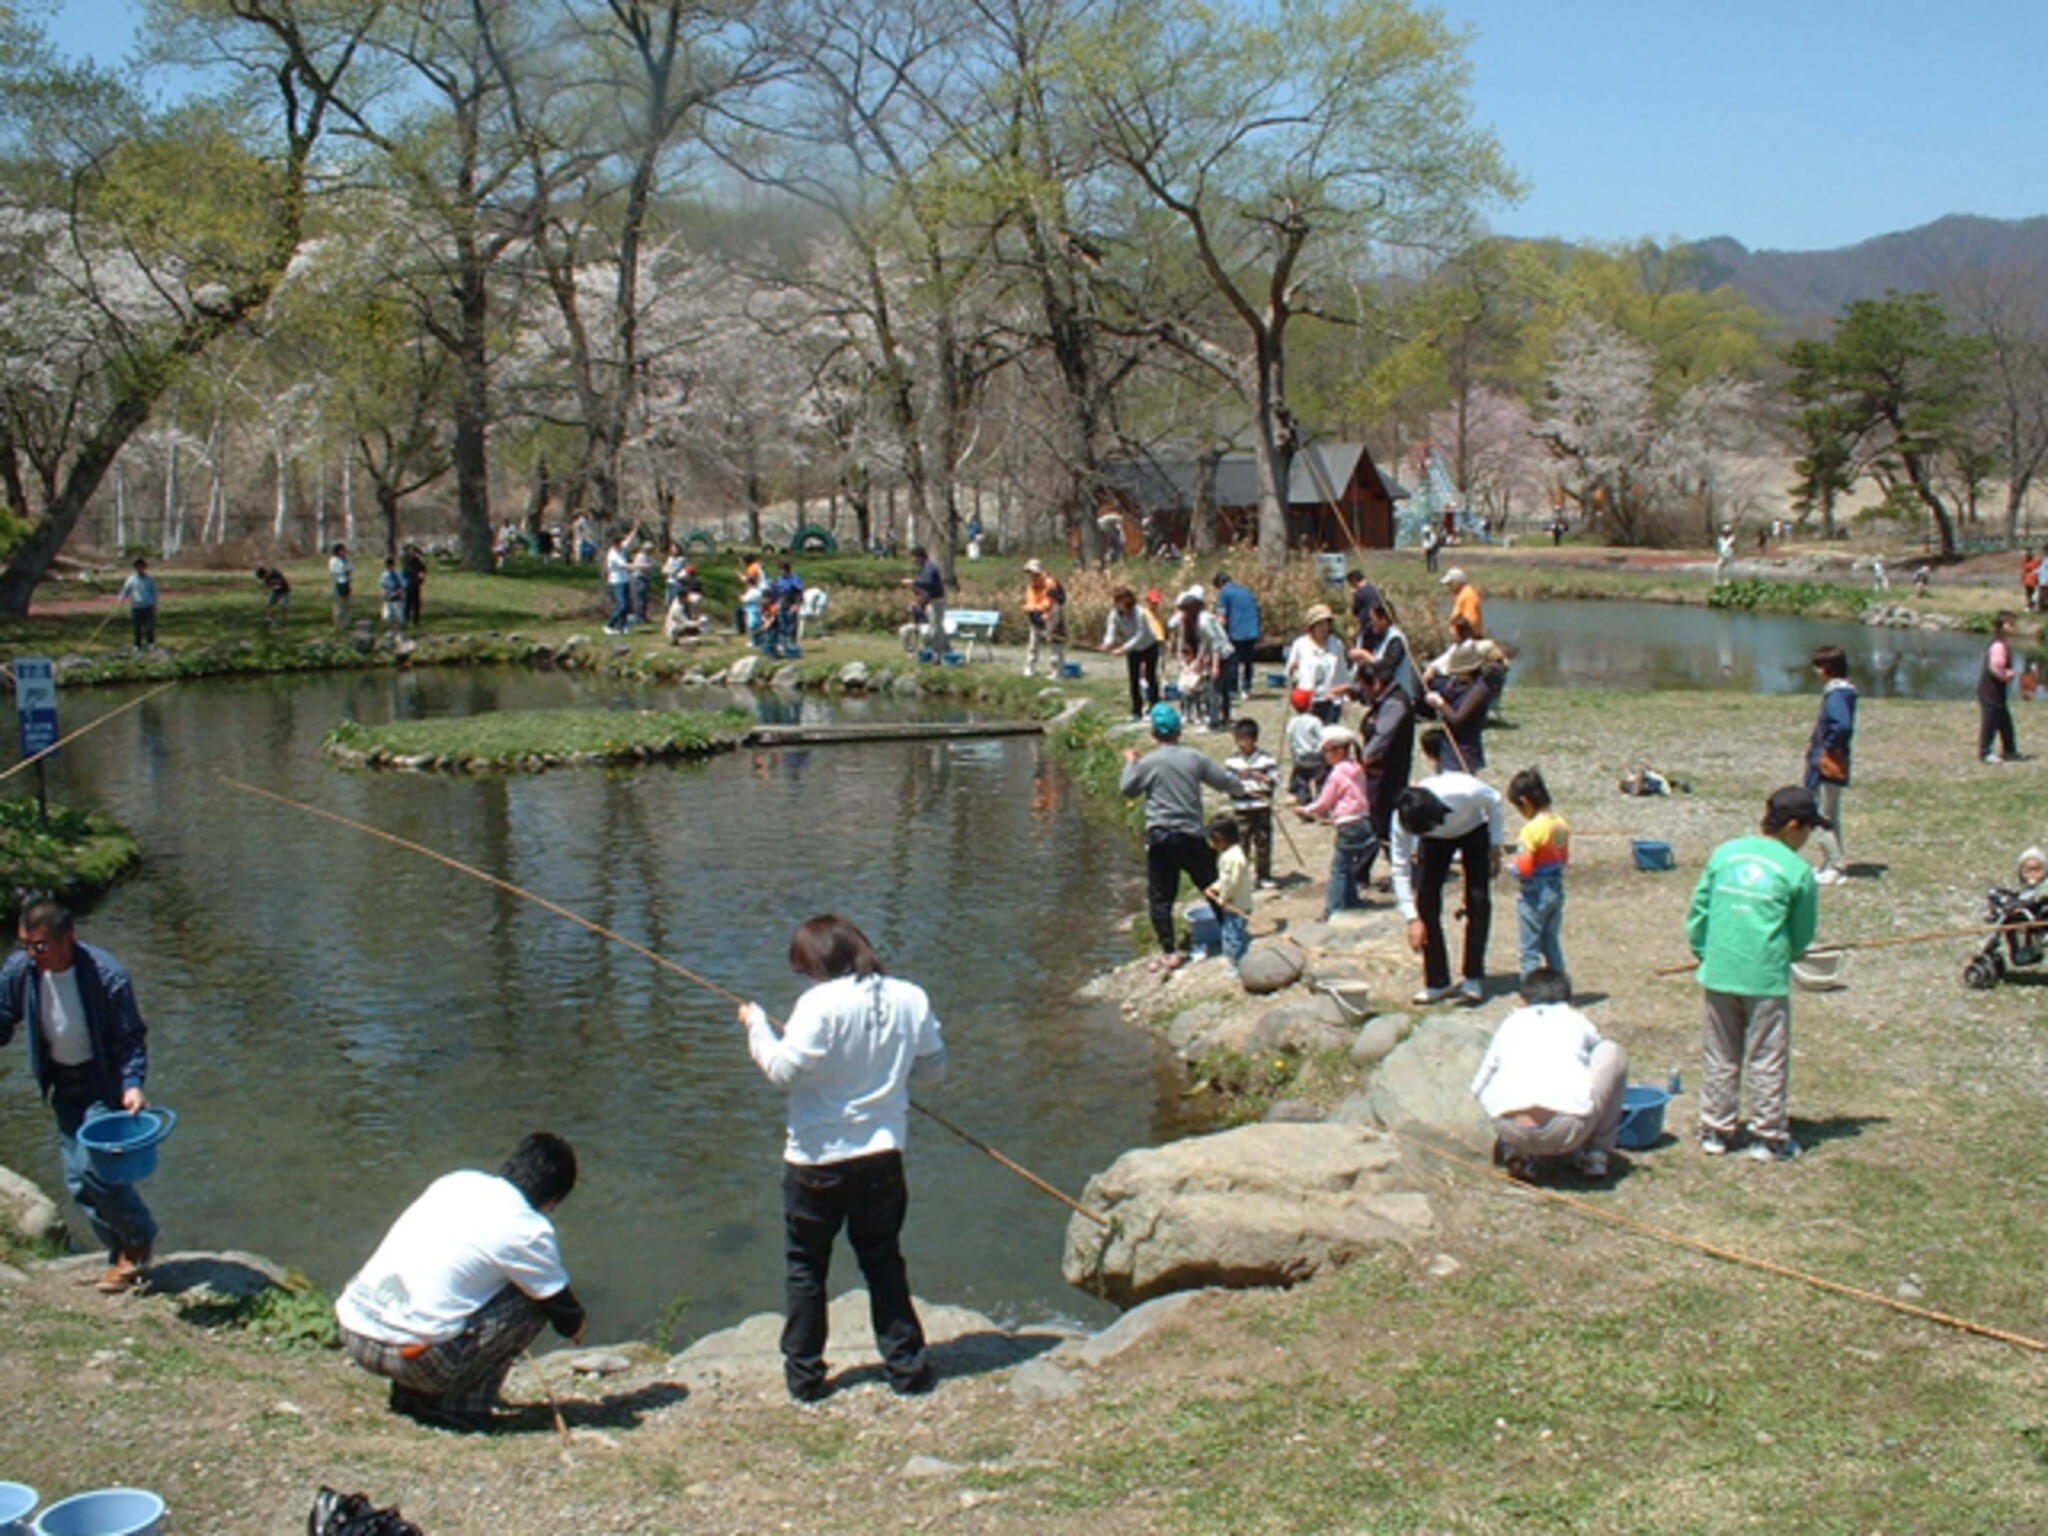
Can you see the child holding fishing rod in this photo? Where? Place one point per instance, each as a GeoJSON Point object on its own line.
{"type": "Point", "coordinates": [1343, 803]}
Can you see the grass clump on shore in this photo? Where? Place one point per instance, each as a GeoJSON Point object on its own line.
{"type": "Point", "coordinates": [525, 739]}
{"type": "Point", "coordinates": [75, 857]}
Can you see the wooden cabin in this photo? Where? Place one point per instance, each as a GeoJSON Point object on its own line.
{"type": "Point", "coordinates": [1337, 499]}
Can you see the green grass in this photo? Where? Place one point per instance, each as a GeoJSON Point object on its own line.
{"type": "Point", "coordinates": [516, 738]}
{"type": "Point", "coordinates": [75, 856]}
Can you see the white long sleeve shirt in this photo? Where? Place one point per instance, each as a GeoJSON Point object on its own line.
{"type": "Point", "coordinates": [1472, 803]}
{"type": "Point", "coordinates": [1541, 1058]}
{"type": "Point", "coordinates": [847, 1057]}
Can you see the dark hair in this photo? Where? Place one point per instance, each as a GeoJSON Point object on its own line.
{"type": "Point", "coordinates": [1246, 727]}
{"type": "Point", "coordinates": [542, 1168]}
{"type": "Point", "coordinates": [1224, 830]}
{"type": "Point", "coordinates": [140, 562]}
{"type": "Point", "coordinates": [1354, 575]}
{"type": "Point", "coordinates": [1432, 742]}
{"type": "Point", "coordinates": [1462, 627]}
{"type": "Point", "coordinates": [2001, 620]}
{"type": "Point", "coordinates": [1420, 811]}
{"type": "Point", "coordinates": [827, 947]}
{"type": "Point", "coordinates": [1123, 592]}
{"type": "Point", "coordinates": [339, 548]}
{"type": "Point", "coordinates": [917, 552]}
{"type": "Point", "coordinates": [42, 913]}
{"type": "Point", "coordinates": [1544, 985]}
{"type": "Point", "coordinates": [1831, 661]}
{"type": "Point", "coordinates": [1528, 785]}
{"type": "Point", "coordinates": [1222, 579]}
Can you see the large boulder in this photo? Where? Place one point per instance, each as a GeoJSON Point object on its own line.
{"type": "Point", "coordinates": [1378, 1038]}
{"type": "Point", "coordinates": [26, 1211]}
{"type": "Point", "coordinates": [1423, 1085]}
{"type": "Point", "coordinates": [1270, 965]}
{"type": "Point", "coordinates": [741, 673]}
{"type": "Point", "coordinates": [1259, 1205]}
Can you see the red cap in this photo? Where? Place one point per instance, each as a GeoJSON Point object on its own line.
{"type": "Point", "coordinates": [1301, 698]}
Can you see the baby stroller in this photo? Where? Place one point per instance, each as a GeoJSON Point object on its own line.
{"type": "Point", "coordinates": [2019, 923]}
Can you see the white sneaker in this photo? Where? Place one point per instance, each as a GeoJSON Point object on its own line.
{"type": "Point", "coordinates": [1992, 758]}
{"type": "Point", "coordinates": [1430, 996]}
{"type": "Point", "coordinates": [1591, 1162]}
{"type": "Point", "coordinates": [1471, 990]}
{"type": "Point", "coordinates": [1830, 877]}
{"type": "Point", "coordinates": [1782, 1151]}
{"type": "Point", "coordinates": [1713, 1144]}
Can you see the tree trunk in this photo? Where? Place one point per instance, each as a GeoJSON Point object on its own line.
{"type": "Point", "coordinates": [174, 529]}
{"type": "Point", "coordinates": [1202, 516]}
{"type": "Point", "coordinates": [280, 458]}
{"type": "Point", "coordinates": [472, 407]}
{"type": "Point", "coordinates": [1273, 444]}
{"type": "Point", "coordinates": [120, 505]}
{"type": "Point", "coordinates": [348, 496]}
{"type": "Point", "coordinates": [387, 509]}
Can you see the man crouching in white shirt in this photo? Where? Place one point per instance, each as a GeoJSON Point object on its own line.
{"type": "Point", "coordinates": [462, 1283]}
{"type": "Point", "coordinates": [1551, 1085]}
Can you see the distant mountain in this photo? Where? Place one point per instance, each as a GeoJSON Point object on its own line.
{"type": "Point", "coordinates": [1807, 288]}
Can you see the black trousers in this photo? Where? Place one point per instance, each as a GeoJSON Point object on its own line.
{"type": "Point", "coordinates": [1168, 856]}
{"type": "Point", "coordinates": [1473, 850]}
{"type": "Point", "coordinates": [868, 1197]}
{"type": "Point", "coordinates": [1143, 664]}
{"type": "Point", "coordinates": [1995, 721]}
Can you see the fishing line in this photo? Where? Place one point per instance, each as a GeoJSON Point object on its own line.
{"type": "Point", "coordinates": [90, 725]}
{"type": "Point", "coordinates": [650, 955]}
{"type": "Point", "coordinates": [1726, 1255]}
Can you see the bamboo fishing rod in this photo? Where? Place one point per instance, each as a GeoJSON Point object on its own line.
{"type": "Point", "coordinates": [1908, 938]}
{"type": "Point", "coordinates": [652, 956]}
{"type": "Point", "coordinates": [1725, 1255]}
{"type": "Point", "coordinates": [90, 725]}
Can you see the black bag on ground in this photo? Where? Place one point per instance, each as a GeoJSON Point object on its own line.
{"type": "Point", "coordinates": [351, 1514]}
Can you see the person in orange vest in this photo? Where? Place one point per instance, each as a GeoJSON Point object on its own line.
{"type": "Point", "coordinates": [1465, 601]}
{"type": "Point", "coordinates": [2030, 579]}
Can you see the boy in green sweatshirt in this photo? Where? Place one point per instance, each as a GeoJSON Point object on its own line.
{"type": "Point", "coordinates": [1753, 913]}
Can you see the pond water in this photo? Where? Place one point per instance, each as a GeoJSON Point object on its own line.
{"type": "Point", "coordinates": [338, 1022]}
{"type": "Point", "coordinates": [1593, 644]}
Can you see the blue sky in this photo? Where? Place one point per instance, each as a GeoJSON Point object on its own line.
{"type": "Point", "coordinates": [1789, 124]}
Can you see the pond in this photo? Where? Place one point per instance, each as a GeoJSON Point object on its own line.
{"type": "Point", "coordinates": [338, 1022]}
{"type": "Point", "coordinates": [1593, 644]}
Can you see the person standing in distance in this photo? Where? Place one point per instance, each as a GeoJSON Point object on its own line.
{"type": "Point", "coordinates": [854, 1043]}
{"type": "Point", "coordinates": [1170, 777]}
{"type": "Point", "coordinates": [930, 586]}
{"type": "Point", "coordinates": [1827, 756]}
{"type": "Point", "coordinates": [89, 1051]}
{"type": "Point", "coordinates": [1994, 686]}
{"type": "Point", "coordinates": [1753, 913]}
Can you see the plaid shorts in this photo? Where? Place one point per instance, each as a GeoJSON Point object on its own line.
{"type": "Point", "coordinates": [465, 1373]}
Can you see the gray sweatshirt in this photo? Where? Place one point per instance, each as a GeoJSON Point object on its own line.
{"type": "Point", "coordinates": [1170, 777]}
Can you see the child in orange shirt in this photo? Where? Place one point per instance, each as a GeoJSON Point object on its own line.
{"type": "Point", "coordinates": [1541, 853]}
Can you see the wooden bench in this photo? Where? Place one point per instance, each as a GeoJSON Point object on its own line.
{"type": "Point", "coordinates": [972, 627]}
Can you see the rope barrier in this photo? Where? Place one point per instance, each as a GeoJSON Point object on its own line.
{"type": "Point", "coordinates": [654, 957]}
{"type": "Point", "coordinates": [1725, 1255]}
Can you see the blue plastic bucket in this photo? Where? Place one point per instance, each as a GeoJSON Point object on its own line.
{"type": "Point", "coordinates": [17, 1503]}
{"type": "Point", "coordinates": [1642, 1116]}
{"type": "Point", "coordinates": [1653, 853]}
{"type": "Point", "coordinates": [122, 1148]}
{"type": "Point", "coordinates": [1204, 932]}
{"type": "Point", "coordinates": [104, 1512]}
{"type": "Point", "coordinates": [1276, 679]}
{"type": "Point", "coordinates": [1070, 669]}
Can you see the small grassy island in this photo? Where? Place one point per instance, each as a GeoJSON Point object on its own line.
{"type": "Point", "coordinates": [527, 741]}
{"type": "Point", "coordinates": [75, 857]}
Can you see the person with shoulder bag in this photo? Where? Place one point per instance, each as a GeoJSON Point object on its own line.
{"type": "Point", "coordinates": [1827, 757]}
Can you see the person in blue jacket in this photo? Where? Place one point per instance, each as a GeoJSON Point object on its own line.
{"type": "Point", "coordinates": [1238, 607]}
{"type": "Point", "coordinates": [1827, 757]}
{"type": "Point", "coordinates": [88, 1048]}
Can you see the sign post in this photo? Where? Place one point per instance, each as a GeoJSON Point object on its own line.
{"type": "Point", "coordinates": [35, 705]}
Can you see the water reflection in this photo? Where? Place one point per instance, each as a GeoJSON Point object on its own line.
{"type": "Point", "coordinates": [1656, 645]}
{"type": "Point", "coordinates": [337, 1022]}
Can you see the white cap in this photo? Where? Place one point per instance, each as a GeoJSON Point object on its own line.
{"type": "Point", "coordinates": [1454, 574]}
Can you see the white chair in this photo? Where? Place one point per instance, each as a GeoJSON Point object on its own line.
{"type": "Point", "coordinates": [812, 611]}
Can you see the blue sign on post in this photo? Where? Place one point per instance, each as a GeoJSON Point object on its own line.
{"type": "Point", "coordinates": [35, 702]}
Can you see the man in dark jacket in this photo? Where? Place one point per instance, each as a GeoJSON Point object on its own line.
{"type": "Point", "coordinates": [88, 1047]}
